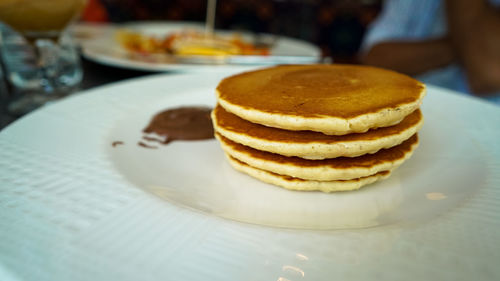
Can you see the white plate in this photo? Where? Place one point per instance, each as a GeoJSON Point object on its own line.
{"type": "Point", "coordinates": [75, 208]}
{"type": "Point", "coordinates": [102, 48]}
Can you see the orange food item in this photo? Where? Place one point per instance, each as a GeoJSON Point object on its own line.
{"type": "Point", "coordinates": [188, 43]}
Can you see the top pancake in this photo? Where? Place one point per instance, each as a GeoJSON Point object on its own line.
{"type": "Point", "coordinates": [332, 99]}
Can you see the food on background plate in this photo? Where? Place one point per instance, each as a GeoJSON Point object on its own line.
{"type": "Point", "coordinates": [318, 127]}
{"type": "Point", "coordinates": [188, 42]}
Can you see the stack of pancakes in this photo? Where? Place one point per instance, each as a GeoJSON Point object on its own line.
{"type": "Point", "coordinates": [318, 127]}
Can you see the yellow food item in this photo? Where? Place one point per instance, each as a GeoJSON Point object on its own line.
{"type": "Point", "coordinates": [188, 43]}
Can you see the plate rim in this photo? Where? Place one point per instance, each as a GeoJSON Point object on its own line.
{"type": "Point", "coordinates": [282, 254]}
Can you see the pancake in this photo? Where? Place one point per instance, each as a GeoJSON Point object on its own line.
{"type": "Point", "coordinates": [313, 145]}
{"type": "Point", "coordinates": [332, 99]}
{"type": "Point", "coordinates": [305, 185]}
{"type": "Point", "coordinates": [341, 168]}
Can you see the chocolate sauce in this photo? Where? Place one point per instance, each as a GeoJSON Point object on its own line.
{"type": "Point", "coordinates": [152, 139]}
{"type": "Point", "coordinates": [182, 123]}
{"type": "Point", "coordinates": [146, 145]}
{"type": "Point", "coordinates": [116, 143]}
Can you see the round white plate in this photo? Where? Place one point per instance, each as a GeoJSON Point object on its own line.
{"type": "Point", "coordinates": [196, 174]}
{"type": "Point", "coordinates": [103, 48]}
{"type": "Point", "coordinates": [73, 207]}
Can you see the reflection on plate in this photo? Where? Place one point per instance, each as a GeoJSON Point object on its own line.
{"type": "Point", "coordinates": [103, 48]}
{"type": "Point", "coordinates": [196, 175]}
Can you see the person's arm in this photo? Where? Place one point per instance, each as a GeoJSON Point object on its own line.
{"type": "Point", "coordinates": [410, 57]}
{"type": "Point", "coordinates": [474, 30]}
{"type": "Point", "coordinates": [391, 41]}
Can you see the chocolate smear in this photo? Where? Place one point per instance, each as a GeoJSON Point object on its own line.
{"type": "Point", "coordinates": [146, 145]}
{"type": "Point", "coordinates": [182, 123]}
{"type": "Point", "coordinates": [116, 143]}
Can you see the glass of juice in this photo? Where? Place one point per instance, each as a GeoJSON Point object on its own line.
{"type": "Point", "coordinates": [39, 60]}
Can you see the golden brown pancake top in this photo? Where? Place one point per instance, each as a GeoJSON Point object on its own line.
{"type": "Point", "coordinates": [233, 123]}
{"type": "Point", "coordinates": [343, 91]}
{"type": "Point", "coordinates": [365, 161]}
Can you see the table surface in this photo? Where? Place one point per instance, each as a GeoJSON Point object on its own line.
{"type": "Point", "coordinates": [94, 75]}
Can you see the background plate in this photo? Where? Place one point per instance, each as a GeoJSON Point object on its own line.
{"type": "Point", "coordinates": [103, 48]}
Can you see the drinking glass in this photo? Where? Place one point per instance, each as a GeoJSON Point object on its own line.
{"type": "Point", "coordinates": [39, 60]}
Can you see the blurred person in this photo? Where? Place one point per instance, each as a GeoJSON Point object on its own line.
{"type": "Point", "coordinates": [448, 43]}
